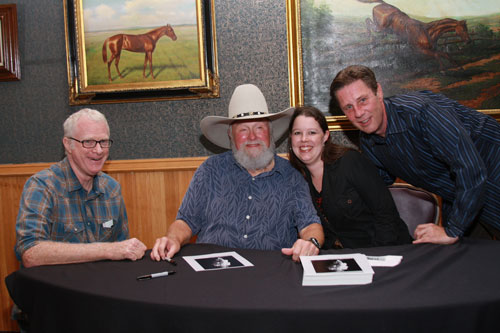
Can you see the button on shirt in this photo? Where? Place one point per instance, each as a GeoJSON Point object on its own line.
{"type": "Point", "coordinates": [436, 143]}
{"type": "Point", "coordinates": [225, 205]}
{"type": "Point", "coordinates": [54, 206]}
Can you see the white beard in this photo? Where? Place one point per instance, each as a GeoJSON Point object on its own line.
{"type": "Point", "coordinates": [252, 163]}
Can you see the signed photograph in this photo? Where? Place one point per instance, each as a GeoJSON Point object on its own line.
{"type": "Point", "coordinates": [216, 261]}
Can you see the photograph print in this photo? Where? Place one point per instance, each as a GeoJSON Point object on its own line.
{"type": "Point", "coordinates": [221, 262]}
{"type": "Point", "coordinates": [336, 265]}
{"type": "Point", "coordinates": [217, 261]}
{"type": "Point", "coordinates": [449, 46]}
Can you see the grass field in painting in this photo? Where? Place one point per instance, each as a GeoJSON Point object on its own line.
{"type": "Point", "coordinates": [172, 60]}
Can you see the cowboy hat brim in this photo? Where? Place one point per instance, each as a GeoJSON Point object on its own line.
{"type": "Point", "coordinates": [215, 128]}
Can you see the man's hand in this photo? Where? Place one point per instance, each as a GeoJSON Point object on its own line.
{"type": "Point", "coordinates": [164, 248]}
{"type": "Point", "coordinates": [132, 249]}
{"type": "Point", "coordinates": [178, 234]}
{"type": "Point", "coordinates": [301, 248]}
{"type": "Point", "coordinates": [431, 233]}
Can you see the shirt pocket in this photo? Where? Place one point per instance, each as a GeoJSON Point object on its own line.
{"type": "Point", "coordinates": [71, 232]}
{"type": "Point", "coordinates": [106, 229]}
{"type": "Point", "coordinates": [350, 204]}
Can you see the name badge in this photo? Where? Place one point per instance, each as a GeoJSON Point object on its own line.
{"type": "Point", "coordinates": [108, 224]}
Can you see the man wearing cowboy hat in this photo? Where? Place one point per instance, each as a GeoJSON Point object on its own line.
{"type": "Point", "coordinates": [247, 197]}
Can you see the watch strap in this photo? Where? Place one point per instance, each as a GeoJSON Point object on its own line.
{"type": "Point", "coordinates": [315, 242]}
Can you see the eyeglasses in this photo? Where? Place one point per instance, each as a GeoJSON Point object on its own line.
{"type": "Point", "coordinates": [92, 143]}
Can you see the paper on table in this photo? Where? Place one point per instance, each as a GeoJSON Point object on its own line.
{"type": "Point", "coordinates": [384, 261]}
{"type": "Point", "coordinates": [336, 269]}
{"type": "Point", "coordinates": [221, 260]}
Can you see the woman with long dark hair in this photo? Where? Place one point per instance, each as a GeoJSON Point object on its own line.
{"type": "Point", "coordinates": [355, 206]}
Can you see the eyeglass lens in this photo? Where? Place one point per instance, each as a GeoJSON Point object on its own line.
{"type": "Point", "coordinates": [93, 143]}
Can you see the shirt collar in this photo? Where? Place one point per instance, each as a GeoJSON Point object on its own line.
{"type": "Point", "coordinates": [74, 183]}
{"type": "Point", "coordinates": [278, 167]}
{"type": "Point", "coordinates": [394, 124]}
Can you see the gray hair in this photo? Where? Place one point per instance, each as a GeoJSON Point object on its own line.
{"type": "Point", "coordinates": [71, 121]}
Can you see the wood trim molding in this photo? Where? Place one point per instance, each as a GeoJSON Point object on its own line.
{"type": "Point", "coordinates": [161, 164]}
{"type": "Point", "coordinates": [151, 164]}
{"type": "Point", "coordinates": [183, 163]}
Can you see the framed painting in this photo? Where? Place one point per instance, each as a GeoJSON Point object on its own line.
{"type": "Point", "coordinates": [136, 51]}
{"type": "Point", "coordinates": [10, 68]}
{"type": "Point", "coordinates": [461, 59]}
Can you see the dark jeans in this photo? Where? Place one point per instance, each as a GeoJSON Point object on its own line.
{"type": "Point", "coordinates": [484, 231]}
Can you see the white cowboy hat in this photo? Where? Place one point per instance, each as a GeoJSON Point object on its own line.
{"type": "Point", "coordinates": [247, 102]}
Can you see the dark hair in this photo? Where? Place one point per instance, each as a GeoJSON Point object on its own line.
{"type": "Point", "coordinates": [331, 151]}
{"type": "Point", "coordinates": [349, 75]}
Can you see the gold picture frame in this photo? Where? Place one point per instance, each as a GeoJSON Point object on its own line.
{"type": "Point", "coordinates": [156, 51]}
{"type": "Point", "coordinates": [10, 68]}
{"type": "Point", "coordinates": [356, 38]}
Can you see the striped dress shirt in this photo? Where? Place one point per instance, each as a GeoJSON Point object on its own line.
{"type": "Point", "coordinates": [437, 144]}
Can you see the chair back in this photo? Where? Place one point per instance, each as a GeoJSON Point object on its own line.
{"type": "Point", "coordinates": [415, 205]}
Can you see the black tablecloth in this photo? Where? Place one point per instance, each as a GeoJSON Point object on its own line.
{"type": "Point", "coordinates": [434, 289]}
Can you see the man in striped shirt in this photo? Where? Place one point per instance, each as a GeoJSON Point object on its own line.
{"type": "Point", "coordinates": [432, 142]}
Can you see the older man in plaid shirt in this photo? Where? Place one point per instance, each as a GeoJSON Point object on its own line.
{"type": "Point", "coordinates": [73, 212]}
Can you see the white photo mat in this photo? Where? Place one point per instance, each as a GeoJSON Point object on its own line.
{"type": "Point", "coordinates": [360, 259]}
{"type": "Point", "coordinates": [217, 261]}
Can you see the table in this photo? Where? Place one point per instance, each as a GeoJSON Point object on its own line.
{"type": "Point", "coordinates": [436, 288]}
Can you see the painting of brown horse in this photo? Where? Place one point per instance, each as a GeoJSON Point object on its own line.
{"type": "Point", "coordinates": [143, 43]}
{"type": "Point", "coordinates": [423, 36]}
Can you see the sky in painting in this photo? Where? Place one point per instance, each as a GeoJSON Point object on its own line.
{"type": "Point", "coordinates": [121, 14]}
{"type": "Point", "coordinates": [427, 8]}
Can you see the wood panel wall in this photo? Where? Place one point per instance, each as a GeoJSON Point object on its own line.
{"type": "Point", "coordinates": [152, 189]}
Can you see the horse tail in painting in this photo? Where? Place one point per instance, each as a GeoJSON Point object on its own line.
{"type": "Point", "coordinates": [104, 51]}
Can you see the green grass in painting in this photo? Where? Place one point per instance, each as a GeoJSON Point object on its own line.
{"type": "Point", "coordinates": [172, 60]}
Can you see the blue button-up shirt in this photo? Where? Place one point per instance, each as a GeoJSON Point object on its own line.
{"type": "Point", "coordinates": [449, 149]}
{"type": "Point", "coordinates": [225, 205]}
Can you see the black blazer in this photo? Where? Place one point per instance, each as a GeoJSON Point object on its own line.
{"type": "Point", "coordinates": [357, 206]}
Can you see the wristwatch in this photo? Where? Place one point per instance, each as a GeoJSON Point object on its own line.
{"type": "Point", "coordinates": [315, 242]}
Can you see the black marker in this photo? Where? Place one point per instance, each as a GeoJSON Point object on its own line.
{"type": "Point", "coordinates": [155, 275]}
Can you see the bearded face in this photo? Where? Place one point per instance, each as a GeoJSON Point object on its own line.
{"type": "Point", "coordinates": [251, 144]}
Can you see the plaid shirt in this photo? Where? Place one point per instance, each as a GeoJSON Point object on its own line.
{"type": "Point", "coordinates": [54, 206]}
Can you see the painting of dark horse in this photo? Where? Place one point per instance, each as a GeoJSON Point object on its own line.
{"type": "Point", "coordinates": [449, 47]}
{"type": "Point", "coordinates": [143, 43]}
{"type": "Point", "coordinates": [422, 36]}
